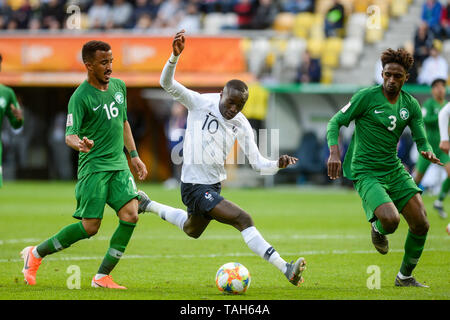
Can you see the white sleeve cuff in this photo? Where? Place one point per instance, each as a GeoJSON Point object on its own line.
{"type": "Point", "coordinates": [173, 58]}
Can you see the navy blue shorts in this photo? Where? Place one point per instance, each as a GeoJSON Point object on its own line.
{"type": "Point", "coordinates": [200, 199]}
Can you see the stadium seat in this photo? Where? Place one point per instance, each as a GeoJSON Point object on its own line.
{"type": "Point", "coordinates": [302, 24]}
{"type": "Point", "coordinates": [446, 50]}
{"type": "Point", "coordinates": [353, 44]}
{"type": "Point", "coordinates": [360, 6]}
{"type": "Point", "coordinates": [399, 7]}
{"type": "Point", "coordinates": [230, 20]}
{"type": "Point", "coordinates": [213, 22]}
{"type": "Point", "coordinates": [284, 22]}
{"type": "Point", "coordinates": [327, 75]}
{"type": "Point", "coordinates": [322, 6]}
{"type": "Point", "coordinates": [356, 25]}
{"type": "Point", "coordinates": [315, 47]}
{"type": "Point", "coordinates": [374, 35]}
{"type": "Point", "coordinates": [348, 60]}
{"type": "Point", "coordinates": [292, 58]}
{"type": "Point", "coordinates": [330, 59]}
{"type": "Point", "coordinates": [259, 50]}
{"type": "Point", "coordinates": [277, 49]}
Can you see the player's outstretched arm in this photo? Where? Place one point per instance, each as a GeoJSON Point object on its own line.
{"type": "Point", "coordinates": [178, 43]}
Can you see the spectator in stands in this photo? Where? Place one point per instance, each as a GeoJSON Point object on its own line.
{"type": "Point", "coordinates": [445, 21]}
{"type": "Point", "coordinates": [223, 6]}
{"type": "Point", "coordinates": [22, 15]}
{"type": "Point", "coordinates": [431, 14]}
{"type": "Point", "coordinates": [99, 14]}
{"type": "Point", "coordinates": [144, 22]}
{"type": "Point", "coordinates": [52, 10]}
{"type": "Point", "coordinates": [120, 14]}
{"type": "Point", "coordinates": [5, 14]}
{"type": "Point", "coordinates": [189, 19]}
{"type": "Point", "coordinates": [166, 12]}
{"type": "Point", "coordinates": [296, 6]}
{"type": "Point", "coordinates": [142, 7]}
{"type": "Point", "coordinates": [435, 66]}
{"type": "Point", "coordinates": [265, 14]}
{"type": "Point", "coordinates": [334, 20]}
{"type": "Point", "coordinates": [245, 10]}
{"type": "Point", "coordinates": [310, 69]}
{"type": "Point", "coordinates": [423, 41]}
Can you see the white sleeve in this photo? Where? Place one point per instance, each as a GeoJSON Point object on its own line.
{"type": "Point", "coordinates": [179, 92]}
{"type": "Point", "coordinates": [246, 140]}
{"type": "Point", "coordinates": [444, 114]}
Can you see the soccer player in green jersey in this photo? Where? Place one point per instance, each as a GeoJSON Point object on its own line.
{"type": "Point", "coordinates": [97, 127]}
{"type": "Point", "coordinates": [381, 113]}
{"type": "Point", "coordinates": [11, 109]}
{"type": "Point", "coordinates": [430, 112]}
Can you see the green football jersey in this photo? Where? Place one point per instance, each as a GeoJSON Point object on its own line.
{"type": "Point", "coordinates": [378, 127]}
{"type": "Point", "coordinates": [430, 112]}
{"type": "Point", "coordinates": [7, 97]}
{"type": "Point", "coordinates": [99, 116]}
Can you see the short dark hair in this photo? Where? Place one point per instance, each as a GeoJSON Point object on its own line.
{"type": "Point", "coordinates": [1, 57]}
{"type": "Point", "coordinates": [400, 56]}
{"type": "Point", "coordinates": [436, 81]}
{"type": "Point", "coordinates": [237, 85]}
{"type": "Point", "coordinates": [89, 49]}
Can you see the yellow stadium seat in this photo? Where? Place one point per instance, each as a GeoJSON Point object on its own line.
{"type": "Point", "coordinates": [374, 35]}
{"type": "Point", "coordinates": [323, 6]}
{"type": "Point", "coordinates": [361, 6]}
{"type": "Point", "coordinates": [330, 59]}
{"type": "Point", "coordinates": [315, 47]}
{"type": "Point", "coordinates": [302, 24]}
{"type": "Point", "coordinates": [327, 76]}
{"type": "Point", "coordinates": [284, 22]}
{"type": "Point", "coordinates": [399, 8]}
{"type": "Point", "coordinates": [246, 45]}
{"type": "Point", "coordinates": [333, 44]}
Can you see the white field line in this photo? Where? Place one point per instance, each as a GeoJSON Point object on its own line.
{"type": "Point", "coordinates": [224, 237]}
{"type": "Point", "coordinates": [198, 256]}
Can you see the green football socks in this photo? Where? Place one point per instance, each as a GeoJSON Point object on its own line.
{"type": "Point", "coordinates": [63, 239]}
{"type": "Point", "coordinates": [444, 189]}
{"type": "Point", "coordinates": [413, 249]}
{"type": "Point", "coordinates": [379, 227]}
{"type": "Point", "coordinates": [117, 245]}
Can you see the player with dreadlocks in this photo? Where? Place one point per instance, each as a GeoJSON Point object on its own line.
{"type": "Point", "coordinates": [387, 190]}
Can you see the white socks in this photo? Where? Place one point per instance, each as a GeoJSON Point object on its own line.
{"type": "Point", "coordinates": [402, 276]}
{"type": "Point", "coordinates": [262, 248]}
{"type": "Point", "coordinates": [35, 253]}
{"type": "Point", "coordinates": [175, 216]}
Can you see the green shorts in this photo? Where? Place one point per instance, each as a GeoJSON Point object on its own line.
{"type": "Point", "coordinates": [397, 187]}
{"type": "Point", "coordinates": [94, 190]}
{"type": "Point", "coordinates": [423, 164]}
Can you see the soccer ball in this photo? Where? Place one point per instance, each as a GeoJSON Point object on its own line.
{"type": "Point", "coordinates": [233, 278]}
{"type": "Point", "coordinates": [448, 229]}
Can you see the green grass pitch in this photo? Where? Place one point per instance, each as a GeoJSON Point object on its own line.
{"type": "Point", "coordinates": [326, 226]}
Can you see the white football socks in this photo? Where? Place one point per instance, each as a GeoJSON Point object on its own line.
{"type": "Point", "coordinates": [175, 216]}
{"type": "Point", "coordinates": [262, 248]}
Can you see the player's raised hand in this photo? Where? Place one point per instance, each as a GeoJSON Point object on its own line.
{"type": "Point", "coordinates": [85, 145]}
{"type": "Point", "coordinates": [178, 43]}
{"type": "Point", "coordinates": [334, 164]}
{"type": "Point", "coordinates": [286, 160]}
{"type": "Point", "coordinates": [445, 146]}
{"type": "Point", "coordinates": [139, 167]}
{"type": "Point", "coordinates": [429, 155]}
{"type": "Point", "coordinates": [17, 113]}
